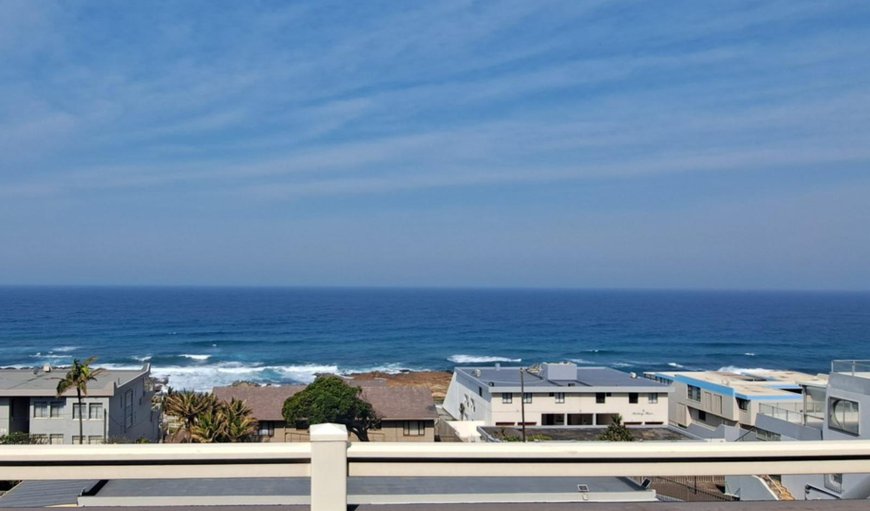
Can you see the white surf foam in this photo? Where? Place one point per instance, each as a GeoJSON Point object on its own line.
{"type": "Point", "coordinates": [480, 359]}
{"type": "Point", "coordinates": [674, 364]}
{"type": "Point", "coordinates": [749, 354]}
{"type": "Point", "coordinates": [581, 361]}
{"type": "Point", "coordinates": [65, 349]}
{"type": "Point", "coordinates": [742, 370]}
{"type": "Point", "coordinates": [198, 357]}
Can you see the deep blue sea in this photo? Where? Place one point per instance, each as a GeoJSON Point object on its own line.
{"type": "Point", "coordinates": [200, 337]}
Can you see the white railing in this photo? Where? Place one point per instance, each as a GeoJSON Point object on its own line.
{"type": "Point", "coordinates": [329, 459]}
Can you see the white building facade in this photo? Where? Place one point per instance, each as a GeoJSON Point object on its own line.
{"type": "Point", "coordinates": [555, 395]}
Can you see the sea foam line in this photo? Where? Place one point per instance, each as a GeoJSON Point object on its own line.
{"type": "Point", "coordinates": [480, 359]}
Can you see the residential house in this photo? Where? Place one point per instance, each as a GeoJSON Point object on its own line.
{"type": "Point", "coordinates": [117, 406]}
{"type": "Point", "coordinates": [407, 413]}
{"type": "Point", "coordinates": [721, 404]}
{"type": "Point", "coordinates": [555, 395]}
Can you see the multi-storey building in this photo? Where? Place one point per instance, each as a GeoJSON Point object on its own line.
{"type": "Point", "coordinates": [117, 406]}
{"type": "Point", "coordinates": [839, 409]}
{"type": "Point", "coordinates": [709, 403]}
{"type": "Point", "coordinates": [555, 395]}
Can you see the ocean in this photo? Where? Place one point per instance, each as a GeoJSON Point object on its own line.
{"type": "Point", "coordinates": [201, 337]}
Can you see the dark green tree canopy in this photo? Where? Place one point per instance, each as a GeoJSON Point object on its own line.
{"type": "Point", "coordinates": [331, 399]}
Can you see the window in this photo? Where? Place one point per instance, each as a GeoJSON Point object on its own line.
{"type": "Point", "coordinates": [834, 482]}
{"type": "Point", "coordinates": [717, 403]}
{"type": "Point", "coordinates": [702, 415]}
{"type": "Point", "coordinates": [414, 428]}
{"type": "Point", "coordinates": [600, 397]}
{"type": "Point", "coordinates": [96, 439]}
{"type": "Point", "coordinates": [40, 409]}
{"type": "Point", "coordinates": [480, 391]}
{"type": "Point", "coordinates": [507, 399]}
{"type": "Point", "coordinates": [694, 393]}
{"type": "Point", "coordinates": [768, 436]}
{"type": "Point", "coordinates": [843, 415]}
{"type": "Point", "coordinates": [95, 411]}
{"type": "Point", "coordinates": [55, 409]}
{"type": "Point", "coordinates": [77, 410]}
{"type": "Point", "coordinates": [40, 439]}
{"type": "Point", "coordinates": [128, 409]}
{"type": "Point", "coordinates": [743, 404]}
{"type": "Point", "coordinates": [266, 429]}
{"type": "Point", "coordinates": [560, 397]}
{"type": "Point", "coordinates": [527, 397]}
{"type": "Point", "coordinates": [632, 398]}
{"type": "Point", "coordinates": [653, 399]}
{"type": "Point", "coordinates": [55, 439]}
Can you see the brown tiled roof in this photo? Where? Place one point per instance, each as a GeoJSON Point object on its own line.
{"type": "Point", "coordinates": [400, 403]}
{"type": "Point", "coordinates": [390, 403]}
{"type": "Point", "coordinates": [266, 403]}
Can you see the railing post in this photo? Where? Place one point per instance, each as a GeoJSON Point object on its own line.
{"type": "Point", "coordinates": [328, 467]}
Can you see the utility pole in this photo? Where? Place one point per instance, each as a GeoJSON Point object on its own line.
{"type": "Point", "coordinates": [523, 401]}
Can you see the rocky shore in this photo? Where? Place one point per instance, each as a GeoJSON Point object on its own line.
{"type": "Point", "coordinates": [436, 381]}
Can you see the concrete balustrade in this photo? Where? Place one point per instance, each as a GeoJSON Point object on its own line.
{"type": "Point", "coordinates": [329, 459]}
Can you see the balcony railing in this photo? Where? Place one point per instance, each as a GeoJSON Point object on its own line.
{"type": "Point", "coordinates": [813, 416]}
{"type": "Point", "coordinates": [329, 460]}
{"type": "Point", "coordinates": [851, 367]}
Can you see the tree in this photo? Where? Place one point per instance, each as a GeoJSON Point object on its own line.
{"type": "Point", "coordinates": [330, 399]}
{"type": "Point", "coordinates": [616, 432]}
{"type": "Point", "coordinates": [239, 425]}
{"type": "Point", "coordinates": [18, 438]}
{"type": "Point", "coordinates": [186, 406]}
{"type": "Point", "coordinates": [78, 376]}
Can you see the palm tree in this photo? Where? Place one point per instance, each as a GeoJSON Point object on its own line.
{"type": "Point", "coordinates": [210, 426]}
{"type": "Point", "coordinates": [187, 406]}
{"type": "Point", "coordinates": [78, 376]}
{"type": "Point", "coordinates": [240, 426]}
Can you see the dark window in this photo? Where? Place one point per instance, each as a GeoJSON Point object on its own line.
{"type": "Point", "coordinates": [632, 398]}
{"type": "Point", "coordinates": [702, 415]}
{"type": "Point", "coordinates": [560, 397]}
{"type": "Point", "coordinates": [414, 428]}
{"type": "Point", "coordinates": [694, 393]}
{"type": "Point", "coordinates": [507, 399]}
{"type": "Point", "coordinates": [599, 397]}
{"type": "Point", "coordinates": [527, 397]}
{"type": "Point", "coordinates": [743, 404]}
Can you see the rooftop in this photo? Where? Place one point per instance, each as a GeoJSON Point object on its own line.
{"type": "Point", "coordinates": [557, 375]}
{"type": "Point", "coordinates": [750, 383]}
{"type": "Point", "coordinates": [38, 382]}
{"type": "Point", "coordinates": [390, 403]}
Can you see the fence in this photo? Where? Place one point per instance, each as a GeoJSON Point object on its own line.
{"type": "Point", "coordinates": [329, 459]}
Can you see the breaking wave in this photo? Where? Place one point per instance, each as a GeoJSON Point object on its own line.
{"type": "Point", "coordinates": [480, 359]}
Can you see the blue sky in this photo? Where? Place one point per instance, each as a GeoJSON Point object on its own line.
{"type": "Point", "coordinates": [547, 144]}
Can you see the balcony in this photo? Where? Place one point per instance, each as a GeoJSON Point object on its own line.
{"type": "Point", "coordinates": [326, 464]}
{"type": "Point", "coordinates": [857, 368]}
{"type": "Point", "coordinates": [813, 416]}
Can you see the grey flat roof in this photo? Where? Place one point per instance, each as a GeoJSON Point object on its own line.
{"type": "Point", "coordinates": [586, 377]}
{"type": "Point", "coordinates": [38, 383]}
{"type": "Point", "coordinates": [362, 486]}
{"type": "Point", "coordinates": [45, 493]}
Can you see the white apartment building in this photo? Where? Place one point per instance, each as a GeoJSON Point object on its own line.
{"type": "Point", "coordinates": [717, 404]}
{"type": "Point", "coordinates": [555, 395]}
{"type": "Point", "coordinates": [836, 410]}
{"type": "Point", "coordinates": [117, 406]}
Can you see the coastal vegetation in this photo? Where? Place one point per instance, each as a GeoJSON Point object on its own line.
{"type": "Point", "coordinates": [331, 399]}
{"type": "Point", "coordinates": [78, 376]}
{"type": "Point", "coordinates": [200, 417]}
{"type": "Point", "coordinates": [616, 432]}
